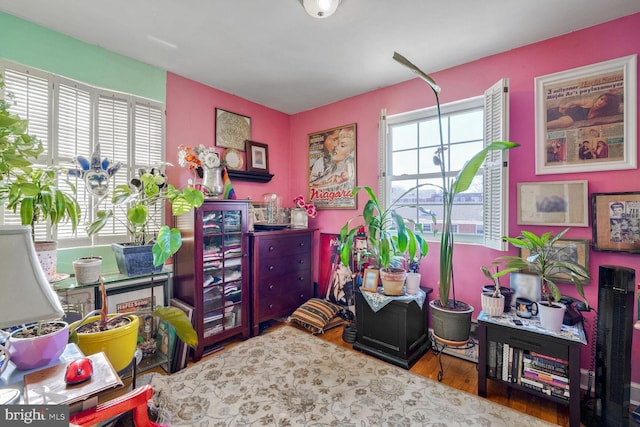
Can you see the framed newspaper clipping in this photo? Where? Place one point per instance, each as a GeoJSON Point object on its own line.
{"type": "Point", "coordinates": [585, 118]}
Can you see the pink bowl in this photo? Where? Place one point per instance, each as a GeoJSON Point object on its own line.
{"type": "Point", "coordinates": [36, 352]}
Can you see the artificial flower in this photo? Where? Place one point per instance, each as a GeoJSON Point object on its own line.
{"type": "Point", "coordinates": [309, 207]}
{"type": "Point", "coordinates": [196, 157]}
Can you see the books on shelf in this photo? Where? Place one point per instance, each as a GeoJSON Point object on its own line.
{"type": "Point", "coordinates": [533, 370]}
{"type": "Point", "coordinates": [47, 386]}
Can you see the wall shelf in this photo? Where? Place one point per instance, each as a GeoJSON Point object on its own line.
{"type": "Point", "coordinates": [250, 176]}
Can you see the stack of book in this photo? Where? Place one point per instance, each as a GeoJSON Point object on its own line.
{"type": "Point", "coordinates": [540, 372]}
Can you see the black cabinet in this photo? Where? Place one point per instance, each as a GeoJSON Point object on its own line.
{"type": "Point", "coordinates": [529, 341]}
{"type": "Point", "coordinates": [398, 333]}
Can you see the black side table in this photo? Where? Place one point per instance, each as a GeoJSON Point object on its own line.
{"type": "Point", "coordinates": [398, 333]}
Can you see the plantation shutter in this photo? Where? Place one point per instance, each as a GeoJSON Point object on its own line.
{"type": "Point", "coordinates": [496, 171]}
{"type": "Point", "coordinates": [28, 94]}
{"type": "Point", "coordinates": [73, 130]}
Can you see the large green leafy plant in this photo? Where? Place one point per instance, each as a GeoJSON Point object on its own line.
{"type": "Point", "coordinates": [547, 260]}
{"type": "Point", "coordinates": [391, 240]}
{"type": "Point", "coordinates": [140, 200]}
{"type": "Point", "coordinates": [450, 188]}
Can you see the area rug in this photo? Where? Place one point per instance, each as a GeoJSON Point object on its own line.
{"type": "Point", "coordinates": [287, 377]}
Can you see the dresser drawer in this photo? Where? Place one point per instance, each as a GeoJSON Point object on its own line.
{"type": "Point", "coordinates": [295, 263]}
{"type": "Point", "coordinates": [282, 299]}
{"type": "Point", "coordinates": [281, 247]}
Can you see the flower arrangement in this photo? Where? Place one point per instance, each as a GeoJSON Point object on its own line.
{"type": "Point", "coordinates": [196, 157]}
{"type": "Point", "coordinates": [309, 207]}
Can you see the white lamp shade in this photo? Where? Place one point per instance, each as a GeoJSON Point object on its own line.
{"type": "Point", "coordinates": [25, 293]}
{"type": "Point", "coordinates": [320, 8]}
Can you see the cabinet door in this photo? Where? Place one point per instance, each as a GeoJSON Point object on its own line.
{"type": "Point", "coordinates": [222, 269]}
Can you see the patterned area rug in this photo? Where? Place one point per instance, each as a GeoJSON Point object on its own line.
{"type": "Point", "coordinates": [288, 377]}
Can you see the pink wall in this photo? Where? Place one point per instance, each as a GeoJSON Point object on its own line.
{"type": "Point", "coordinates": [190, 120]}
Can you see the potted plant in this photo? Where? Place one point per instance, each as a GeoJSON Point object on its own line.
{"type": "Point", "coordinates": [451, 317]}
{"type": "Point", "coordinates": [552, 265]}
{"type": "Point", "coordinates": [140, 200]}
{"type": "Point", "coordinates": [117, 334]}
{"type": "Point", "coordinates": [492, 299]}
{"type": "Point", "coordinates": [505, 291]}
{"type": "Point", "coordinates": [390, 240]}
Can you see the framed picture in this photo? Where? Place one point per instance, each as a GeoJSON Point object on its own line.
{"type": "Point", "coordinates": [525, 285]}
{"type": "Point", "coordinates": [616, 222]}
{"type": "Point", "coordinates": [585, 118]}
{"type": "Point", "coordinates": [232, 129]}
{"type": "Point", "coordinates": [370, 280]}
{"type": "Point", "coordinates": [181, 349]}
{"type": "Point", "coordinates": [332, 167]}
{"type": "Point", "coordinates": [576, 250]}
{"type": "Point", "coordinates": [165, 342]}
{"type": "Point", "coordinates": [562, 203]}
{"type": "Point", "coordinates": [257, 157]}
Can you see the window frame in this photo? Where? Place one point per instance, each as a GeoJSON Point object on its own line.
{"type": "Point", "coordinates": [495, 109]}
{"type": "Point", "coordinates": [51, 157]}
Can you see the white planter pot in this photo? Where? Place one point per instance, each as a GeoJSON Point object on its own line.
{"type": "Point", "coordinates": [87, 269]}
{"type": "Point", "coordinates": [551, 316]}
{"type": "Point", "coordinates": [412, 283]}
{"type": "Point", "coordinates": [493, 306]}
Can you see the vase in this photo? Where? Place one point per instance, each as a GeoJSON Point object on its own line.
{"type": "Point", "coordinates": [299, 218]}
{"type": "Point", "coordinates": [87, 269]}
{"type": "Point", "coordinates": [212, 183]}
{"type": "Point", "coordinates": [412, 283]}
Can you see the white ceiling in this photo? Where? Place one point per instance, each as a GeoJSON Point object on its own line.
{"type": "Point", "coordinates": [273, 53]}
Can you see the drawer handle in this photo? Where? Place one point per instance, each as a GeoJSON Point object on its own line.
{"type": "Point", "coordinates": [270, 305]}
{"type": "Point", "coordinates": [270, 286]}
{"type": "Point", "coordinates": [271, 267]}
{"type": "Point", "coordinates": [271, 248]}
{"type": "Point", "coordinates": [301, 278]}
{"type": "Point", "coordinates": [301, 296]}
{"type": "Point", "coordinates": [302, 244]}
{"type": "Point", "coordinates": [301, 261]}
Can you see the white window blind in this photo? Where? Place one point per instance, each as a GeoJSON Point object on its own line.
{"type": "Point", "coordinates": [71, 118]}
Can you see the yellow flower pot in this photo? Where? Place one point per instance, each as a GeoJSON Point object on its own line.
{"type": "Point", "coordinates": [118, 344]}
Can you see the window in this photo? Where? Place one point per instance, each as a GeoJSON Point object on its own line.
{"type": "Point", "coordinates": [71, 119]}
{"type": "Point", "coordinates": [408, 144]}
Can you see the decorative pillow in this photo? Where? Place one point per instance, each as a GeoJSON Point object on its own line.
{"type": "Point", "coordinates": [316, 315]}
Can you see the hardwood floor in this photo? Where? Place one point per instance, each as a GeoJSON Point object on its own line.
{"type": "Point", "coordinates": [458, 373]}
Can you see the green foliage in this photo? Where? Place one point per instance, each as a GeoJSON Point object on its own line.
{"type": "Point", "coordinates": [390, 240]}
{"type": "Point", "coordinates": [547, 261]}
{"type": "Point", "coordinates": [450, 187]}
{"type": "Point", "coordinates": [136, 199]}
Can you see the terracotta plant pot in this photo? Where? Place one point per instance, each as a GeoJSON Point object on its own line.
{"type": "Point", "coordinates": [393, 281]}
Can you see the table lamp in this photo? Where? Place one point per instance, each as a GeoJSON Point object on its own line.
{"type": "Point", "coordinates": [25, 293]}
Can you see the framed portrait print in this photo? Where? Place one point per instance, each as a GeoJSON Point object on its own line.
{"type": "Point", "coordinates": [576, 250]}
{"type": "Point", "coordinates": [585, 118]}
{"type": "Point", "coordinates": [370, 280]}
{"type": "Point", "coordinates": [562, 203]}
{"type": "Point", "coordinates": [232, 129]}
{"type": "Point", "coordinates": [616, 222]}
{"type": "Point", "coordinates": [257, 157]}
{"type": "Point", "coordinates": [332, 167]}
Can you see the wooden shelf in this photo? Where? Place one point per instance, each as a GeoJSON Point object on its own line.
{"type": "Point", "coordinates": [250, 176]}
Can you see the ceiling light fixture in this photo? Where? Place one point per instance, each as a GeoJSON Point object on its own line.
{"type": "Point", "coordinates": [320, 8]}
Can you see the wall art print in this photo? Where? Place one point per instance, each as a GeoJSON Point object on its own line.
{"type": "Point", "coordinates": [616, 222]}
{"type": "Point", "coordinates": [332, 167]}
{"type": "Point", "coordinates": [232, 129]}
{"type": "Point", "coordinates": [585, 118]}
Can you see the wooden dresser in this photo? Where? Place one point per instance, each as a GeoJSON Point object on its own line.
{"type": "Point", "coordinates": [281, 278]}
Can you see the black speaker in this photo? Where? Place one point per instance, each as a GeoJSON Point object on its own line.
{"type": "Point", "coordinates": [613, 345]}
